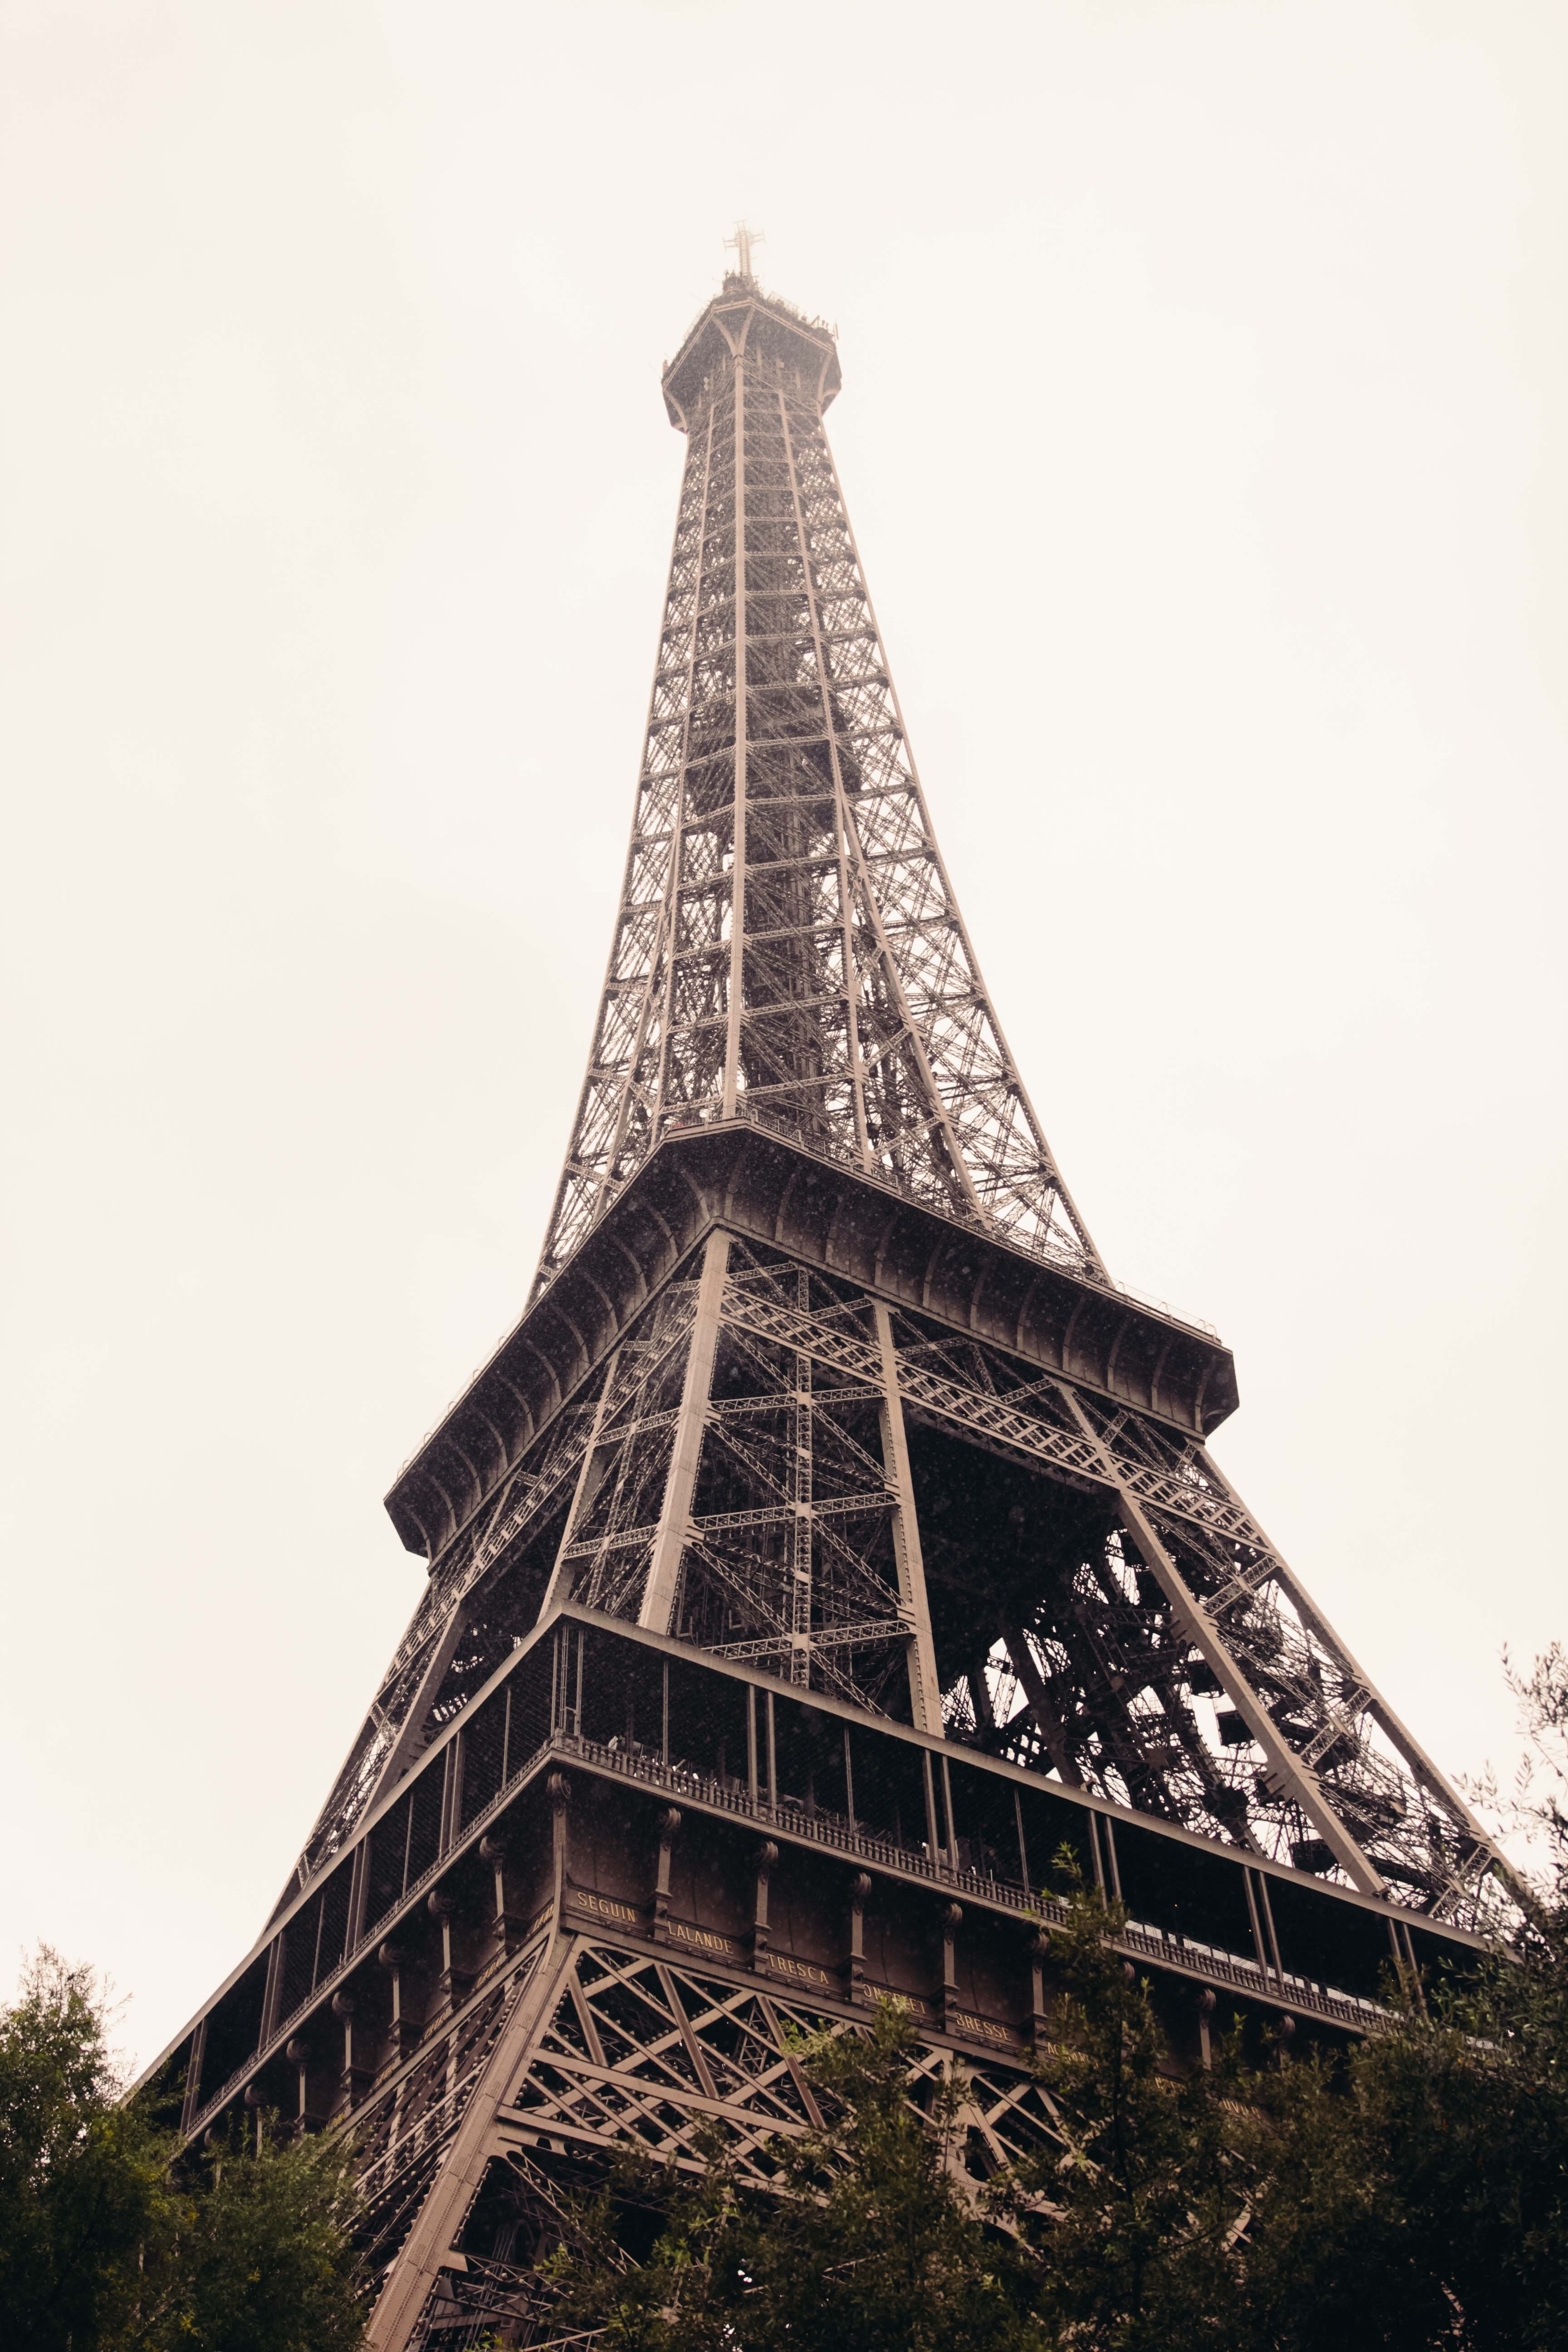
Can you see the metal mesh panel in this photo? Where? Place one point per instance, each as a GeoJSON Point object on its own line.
{"type": "Point", "coordinates": [384, 1877]}
{"type": "Point", "coordinates": [234, 2028]}
{"type": "Point", "coordinates": [484, 1742]}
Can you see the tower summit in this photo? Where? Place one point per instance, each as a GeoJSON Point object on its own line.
{"type": "Point", "coordinates": [831, 1541]}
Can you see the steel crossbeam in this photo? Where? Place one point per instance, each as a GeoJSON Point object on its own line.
{"type": "Point", "coordinates": [782, 1514]}
{"type": "Point", "coordinates": [613, 1540]}
{"type": "Point", "coordinates": [994, 1417]}
{"type": "Point", "coordinates": [836, 1637]}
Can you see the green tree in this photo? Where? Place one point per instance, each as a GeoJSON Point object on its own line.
{"type": "Point", "coordinates": [1133, 2221]}
{"type": "Point", "coordinates": [108, 2244]}
{"type": "Point", "coordinates": [1417, 2195]}
{"type": "Point", "coordinates": [264, 2257]}
{"type": "Point", "coordinates": [83, 2193]}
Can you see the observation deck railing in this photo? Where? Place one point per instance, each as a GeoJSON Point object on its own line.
{"type": "Point", "coordinates": [835, 1834]}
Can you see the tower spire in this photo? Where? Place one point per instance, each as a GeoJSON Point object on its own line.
{"type": "Point", "coordinates": [741, 244]}
{"type": "Point", "coordinates": [789, 949]}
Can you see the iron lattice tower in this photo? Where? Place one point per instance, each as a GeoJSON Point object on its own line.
{"type": "Point", "coordinates": [829, 1493]}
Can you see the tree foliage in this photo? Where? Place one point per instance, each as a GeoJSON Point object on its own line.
{"type": "Point", "coordinates": [1132, 2217]}
{"type": "Point", "coordinates": [107, 2245]}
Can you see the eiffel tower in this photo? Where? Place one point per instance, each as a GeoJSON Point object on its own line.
{"type": "Point", "coordinates": [831, 1543]}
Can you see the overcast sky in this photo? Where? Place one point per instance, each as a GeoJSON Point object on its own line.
{"type": "Point", "coordinates": [1204, 378]}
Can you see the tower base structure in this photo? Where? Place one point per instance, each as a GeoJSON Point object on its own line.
{"type": "Point", "coordinates": [647, 1865]}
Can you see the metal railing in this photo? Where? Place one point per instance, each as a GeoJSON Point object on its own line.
{"type": "Point", "coordinates": [835, 1834]}
{"type": "Point", "coordinates": [832, 1830]}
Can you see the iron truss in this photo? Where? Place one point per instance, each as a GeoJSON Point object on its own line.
{"type": "Point", "coordinates": [788, 945]}
{"type": "Point", "coordinates": [615, 2046]}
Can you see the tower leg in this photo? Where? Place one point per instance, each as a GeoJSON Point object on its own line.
{"type": "Point", "coordinates": [663, 1576]}
{"type": "Point", "coordinates": [445, 2208]}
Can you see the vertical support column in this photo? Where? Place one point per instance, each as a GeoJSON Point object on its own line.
{"type": "Point", "coordinates": [664, 1570]}
{"type": "Point", "coordinates": [559, 1789]}
{"type": "Point", "coordinates": [801, 1496]}
{"type": "Point", "coordinates": [1113, 1867]}
{"type": "Point", "coordinates": [671, 920]}
{"type": "Point", "coordinates": [840, 813]}
{"type": "Point", "coordinates": [925, 1692]}
{"type": "Point", "coordinates": [454, 1983]}
{"type": "Point", "coordinates": [404, 2025]}
{"type": "Point", "coordinates": [1262, 1923]}
{"type": "Point", "coordinates": [452, 1792]}
{"type": "Point", "coordinates": [668, 1830]}
{"type": "Point", "coordinates": [1096, 1860]}
{"type": "Point", "coordinates": [951, 1921]}
{"type": "Point", "coordinates": [936, 1843]}
{"type": "Point", "coordinates": [355, 2074]}
{"type": "Point", "coordinates": [589, 1473]}
{"type": "Point", "coordinates": [1265, 1913]}
{"type": "Point", "coordinates": [507, 1927]}
{"type": "Point", "coordinates": [855, 1973]}
{"type": "Point", "coordinates": [1406, 1966]}
{"type": "Point", "coordinates": [309, 2117]}
{"type": "Point", "coordinates": [193, 2097]}
{"type": "Point", "coordinates": [767, 1855]}
{"type": "Point", "coordinates": [1039, 2018]}
{"type": "Point", "coordinates": [737, 845]}
{"type": "Point", "coordinates": [272, 1996]}
{"type": "Point", "coordinates": [358, 1894]}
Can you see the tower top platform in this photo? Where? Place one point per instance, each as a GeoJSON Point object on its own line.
{"type": "Point", "coordinates": [742, 317]}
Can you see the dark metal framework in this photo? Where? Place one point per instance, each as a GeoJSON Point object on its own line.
{"type": "Point", "coordinates": [893, 1512]}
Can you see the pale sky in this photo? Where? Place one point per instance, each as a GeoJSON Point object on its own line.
{"type": "Point", "coordinates": [1205, 377]}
